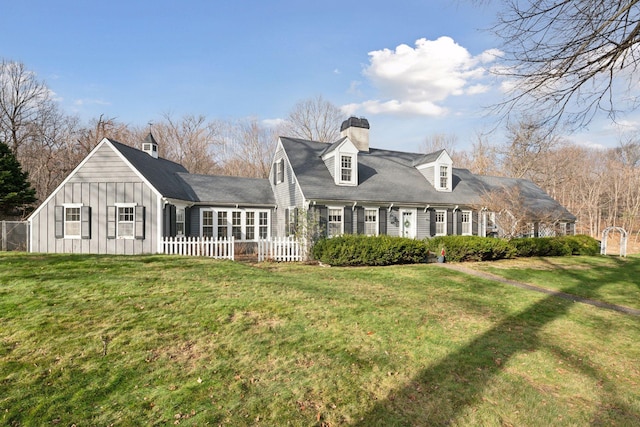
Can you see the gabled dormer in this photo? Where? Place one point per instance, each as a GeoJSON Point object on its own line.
{"type": "Point", "coordinates": [341, 158]}
{"type": "Point", "coordinates": [437, 168]}
{"type": "Point", "coordinates": [150, 146]}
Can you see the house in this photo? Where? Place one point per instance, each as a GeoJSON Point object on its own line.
{"type": "Point", "coordinates": [124, 200]}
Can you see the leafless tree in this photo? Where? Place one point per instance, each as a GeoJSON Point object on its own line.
{"type": "Point", "coordinates": [440, 141]}
{"type": "Point", "coordinates": [568, 59]}
{"type": "Point", "coordinates": [482, 159]}
{"type": "Point", "coordinates": [314, 119]}
{"type": "Point", "coordinates": [191, 141]}
{"type": "Point", "coordinates": [23, 98]}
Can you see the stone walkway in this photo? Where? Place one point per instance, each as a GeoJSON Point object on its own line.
{"type": "Point", "coordinates": [484, 275]}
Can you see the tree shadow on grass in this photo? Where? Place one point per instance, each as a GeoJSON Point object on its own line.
{"type": "Point", "coordinates": [444, 391]}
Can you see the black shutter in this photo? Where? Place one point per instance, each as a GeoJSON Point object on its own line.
{"type": "Point", "coordinates": [281, 174]}
{"type": "Point", "coordinates": [432, 222]}
{"type": "Point", "coordinates": [166, 227]}
{"type": "Point", "coordinates": [382, 221]}
{"type": "Point", "coordinates": [348, 220]}
{"type": "Point", "coordinates": [173, 227]}
{"type": "Point", "coordinates": [323, 220]}
{"type": "Point", "coordinates": [187, 221]}
{"type": "Point", "coordinates": [458, 222]}
{"type": "Point", "coordinates": [449, 222]}
{"type": "Point", "coordinates": [295, 220]}
{"type": "Point", "coordinates": [360, 220]}
{"type": "Point", "coordinates": [275, 173]}
{"type": "Point", "coordinates": [85, 225]}
{"type": "Point", "coordinates": [111, 222]}
{"type": "Point", "coordinates": [140, 222]}
{"type": "Point", "coordinates": [58, 212]}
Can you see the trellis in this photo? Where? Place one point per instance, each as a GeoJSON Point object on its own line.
{"type": "Point", "coordinates": [623, 240]}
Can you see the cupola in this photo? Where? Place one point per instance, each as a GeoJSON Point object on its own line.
{"type": "Point", "coordinates": [150, 146]}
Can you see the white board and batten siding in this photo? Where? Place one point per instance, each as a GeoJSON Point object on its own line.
{"type": "Point", "coordinates": [103, 179]}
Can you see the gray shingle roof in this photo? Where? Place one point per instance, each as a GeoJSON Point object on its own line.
{"type": "Point", "coordinates": [161, 173]}
{"type": "Point", "coordinates": [390, 177]}
{"type": "Point", "coordinates": [229, 189]}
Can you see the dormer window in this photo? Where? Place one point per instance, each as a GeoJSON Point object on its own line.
{"type": "Point", "coordinates": [444, 177]}
{"type": "Point", "coordinates": [341, 158]}
{"type": "Point", "coordinates": [346, 171]}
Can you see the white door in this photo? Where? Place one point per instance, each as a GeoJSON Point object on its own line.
{"type": "Point", "coordinates": [408, 223]}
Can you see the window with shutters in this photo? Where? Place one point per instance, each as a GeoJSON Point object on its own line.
{"type": "Point", "coordinates": [441, 223]}
{"type": "Point", "coordinates": [334, 222]}
{"type": "Point", "coordinates": [371, 222]}
{"type": "Point", "coordinates": [72, 222]}
{"type": "Point", "coordinates": [180, 222]}
{"type": "Point", "coordinates": [125, 222]}
{"type": "Point", "coordinates": [465, 217]}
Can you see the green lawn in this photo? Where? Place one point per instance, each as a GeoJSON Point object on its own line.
{"type": "Point", "coordinates": [155, 340]}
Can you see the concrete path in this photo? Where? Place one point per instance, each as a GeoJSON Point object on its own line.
{"type": "Point", "coordinates": [484, 275]}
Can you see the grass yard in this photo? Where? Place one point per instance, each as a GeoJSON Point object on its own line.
{"type": "Point", "coordinates": [156, 340]}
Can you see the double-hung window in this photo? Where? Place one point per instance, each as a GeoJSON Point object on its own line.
{"type": "Point", "coordinates": [180, 222]}
{"type": "Point", "coordinates": [441, 223]}
{"type": "Point", "coordinates": [263, 225]}
{"type": "Point", "coordinates": [126, 222]}
{"type": "Point", "coordinates": [236, 225]}
{"type": "Point", "coordinates": [465, 217]}
{"type": "Point", "coordinates": [444, 177]}
{"type": "Point", "coordinates": [72, 222]}
{"type": "Point", "coordinates": [334, 222]}
{"type": "Point", "coordinates": [207, 223]}
{"type": "Point", "coordinates": [346, 170]}
{"type": "Point", "coordinates": [251, 225]}
{"type": "Point", "coordinates": [222, 224]}
{"type": "Point", "coordinates": [371, 222]}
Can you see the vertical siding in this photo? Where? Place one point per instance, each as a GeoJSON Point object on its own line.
{"type": "Point", "coordinates": [287, 194]}
{"type": "Point", "coordinates": [103, 181]}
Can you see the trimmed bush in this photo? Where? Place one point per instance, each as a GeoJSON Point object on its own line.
{"type": "Point", "coordinates": [471, 248]}
{"type": "Point", "coordinates": [581, 244]}
{"type": "Point", "coordinates": [539, 246]}
{"type": "Point", "coordinates": [359, 250]}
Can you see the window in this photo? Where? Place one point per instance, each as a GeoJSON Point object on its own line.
{"type": "Point", "coordinates": [279, 171]}
{"type": "Point", "coordinates": [251, 226]}
{"type": "Point", "coordinates": [126, 222]}
{"type": "Point", "coordinates": [207, 223]}
{"type": "Point", "coordinates": [371, 222]}
{"type": "Point", "coordinates": [465, 217]}
{"type": "Point", "coordinates": [264, 225]}
{"type": "Point", "coordinates": [72, 222]}
{"type": "Point", "coordinates": [222, 225]}
{"type": "Point", "coordinates": [334, 222]}
{"type": "Point", "coordinates": [345, 169]}
{"type": "Point", "coordinates": [180, 222]}
{"type": "Point", "coordinates": [441, 223]}
{"type": "Point", "coordinates": [444, 177]}
{"type": "Point", "coordinates": [236, 225]}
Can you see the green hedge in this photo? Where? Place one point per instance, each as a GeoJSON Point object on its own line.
{"type": "Point", "coordinates": [356, 250]}
{"type": "Point", "coordinates": [471, 248]}
{"type": "Point", "coordinates": [556, 246]}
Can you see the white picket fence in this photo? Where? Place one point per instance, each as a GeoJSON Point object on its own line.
{"type": "Point", "coordinates": [199, 246]}
{"type": "Point", "coordinates": [281, 249]}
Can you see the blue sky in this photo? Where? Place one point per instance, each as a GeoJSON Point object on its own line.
{"type": "Point", "coordinates": [413, 68]}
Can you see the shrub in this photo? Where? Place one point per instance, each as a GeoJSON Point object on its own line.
{"type": "Point", "coordinates": [358, 250]}
{"type": "Point", "coordinates": [541, 246]}
{"type": "Point", "coordinates": [471, 248]}
{"type": "Point", "coordinates": [581, 244]}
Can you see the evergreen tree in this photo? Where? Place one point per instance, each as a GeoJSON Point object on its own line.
{"type": "Point", "coordinates": [15, 190]}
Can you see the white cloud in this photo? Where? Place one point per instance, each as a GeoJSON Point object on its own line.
{"type": "Point", "coordinates": [273, 123]}
{"type": "Point", "coordinates": [416, 80]}
{"type": "Point", "coordinates": [82, 102]}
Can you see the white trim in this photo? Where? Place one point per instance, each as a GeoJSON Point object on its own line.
{"type": "Point", "coordinates": [444, 213]}
{"type": "Point", "coordinates": [410, 230]}
{"type": "Point", "coordinates": [279, 146]}
{"type": "Point", "coordinates": [341, 209]}
{"type": "Point", "coordinates": [243, 222]}
{"type": "Point", "coordinates": [66, 206]}
{"type": "Point", "coordinates": [377, 222]}
{"type": "Point", "coordinates": [470, 223]}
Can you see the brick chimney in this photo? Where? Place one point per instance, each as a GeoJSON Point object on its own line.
{"type": "Point", "coordinates": [357, 130]}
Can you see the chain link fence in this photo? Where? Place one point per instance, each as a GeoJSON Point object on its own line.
{"type": "Point", "coordinates": [14, 235]}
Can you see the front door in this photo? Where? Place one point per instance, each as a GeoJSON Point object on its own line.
{"type": "Point", "coordinates": [408, 223]}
